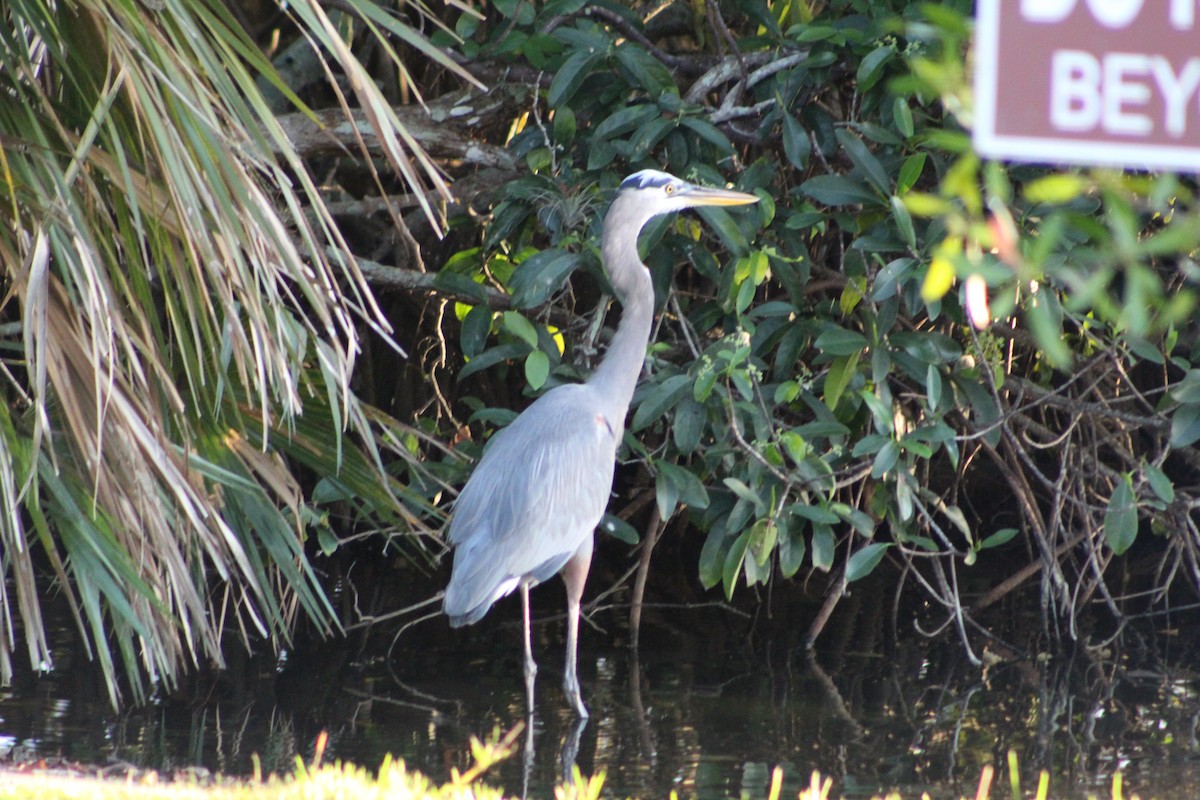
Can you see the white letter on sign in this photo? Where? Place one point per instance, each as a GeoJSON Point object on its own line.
{"type": "Point", "coordinates": [1115, 13]}
{"type": "Point", "coordinates": [1177, 90]}
{"type": "Point", "coordinates": [1120, 91]}
{"type": "Point", "coordinates": [1046, 10]}
{"type": "Point", "coordinates": [1074, 91]}
{"type": "Point", "coordinates": [1183, 14]}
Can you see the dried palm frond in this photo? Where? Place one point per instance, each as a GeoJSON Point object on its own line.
{"type": "Point", "coordinates": [169, 336]}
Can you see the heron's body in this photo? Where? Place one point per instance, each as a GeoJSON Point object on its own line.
{"type": "Point", "coordinates": [498, 508]}
{"type": "Point", "coordinates": [531, 506]}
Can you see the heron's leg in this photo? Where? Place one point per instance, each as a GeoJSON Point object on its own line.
{"type": "Point", "coordinates": [530, 666]}
{"type": "Point", "coordinates": [575, 575]}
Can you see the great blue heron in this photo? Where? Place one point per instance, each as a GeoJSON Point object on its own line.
{"type": "Point", "coordinates": [531, 506]}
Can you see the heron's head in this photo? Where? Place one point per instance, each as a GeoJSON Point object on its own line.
{"type": "Point", "coordinates": [649, 193]}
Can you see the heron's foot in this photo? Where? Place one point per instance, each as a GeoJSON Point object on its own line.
{"type": "Point", "coordinates": [571, 688]}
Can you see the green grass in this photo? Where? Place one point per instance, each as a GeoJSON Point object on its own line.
{"type": "Point", "coordinates": [393, 780]}
{"type": "Point", "coordinates": [315, 782]}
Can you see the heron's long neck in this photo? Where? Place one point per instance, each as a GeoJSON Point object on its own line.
{"type": "Point", "coordinates": [617, 375]}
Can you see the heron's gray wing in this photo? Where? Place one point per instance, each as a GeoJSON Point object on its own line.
{"type": "Point", "coordinates": [533, 501]}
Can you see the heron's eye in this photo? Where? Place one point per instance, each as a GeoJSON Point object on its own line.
{"type": "Point", "coordinates": [670, 189]}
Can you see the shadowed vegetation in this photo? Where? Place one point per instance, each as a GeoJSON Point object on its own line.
{"type": "Point", "coordinates": [981, 376]}
{"type": "Point", "coordinates": [181, 329]}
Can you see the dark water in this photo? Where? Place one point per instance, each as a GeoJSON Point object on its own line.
{"type": "Point", "coordinates": [711, 705]}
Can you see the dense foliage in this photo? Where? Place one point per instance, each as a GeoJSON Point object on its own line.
{"type": "Point", "coordinates": [179, 342]}
{"type": "Point", "coordinates": [982, 373]}
{"type": "Point", "coordinates": [901, 353]}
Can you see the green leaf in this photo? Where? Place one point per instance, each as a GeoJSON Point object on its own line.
{"type": "Point", "coordinates": [537, 369]}
{"type": "Point", "coordinates": [763, 537]}
{"type": "Point", "coordinates": [733, 563]}
{"type": "Point", "coordinates": [691, 489]}
{"type": "Point", "coordinates": [927, 205]}
{"type": "Point", "coordinates": [885, 459]}
{"type": "Point", "coordinates": [627, 119]}
{"type": "Point", "coordinates": [506, 218]}
{"type": "Point", "coordinates": [745, 296]}
{"type": "Point", "coordinates": [600, 154]}
{"type": "Point", "coordinates": [538, 159]}
{"type": "Point", "coordinates": [927, 346]}
{"type": "Point", "coordinates": [687, 426]}
{"type": "Point", "coordinates": [712, 557]}
{"type": "Point", "coordinates": [540, 275]}
{"type": "Point", "coordinates": [461, 285]}
{"type": "Point", "coordinates": [326, 540]}
{"type": "Point", "coordinates": [1178, 237]}
{"type": "Point", "coordinates": [883, 415]}
{"type": "Point", "coordinates": [838, 190]}
{"type": "Point", "coordinates": [982, 403]}
{"type": "Point", "coordinates": [792, 549]}
{"type": "Point", "coordinates": [904, 222]}
{"type": "Point", "coordinates": [1045, 321]}
{"type": "Point", "coordinates": [708, 132]}
{"type": "Point", "coordinates": [818, 515]}
{"type": "Point", "coordinates": [1055, 189]}
{"type": "Point", "coordinates": [661, 398]}
{"type": "Point", "coordinates": [1163, 488]}
{"type": "Point", "coordinates": [903, 117]}
{"type": "Point", "coordinates": [823, 429]}
{"type": "Point", "coordinates": [958, 518]}
{"type": "Point", "coordinates": [1002, 536]}
{"type": "Point", "coordinates": [722, 223]}
{"type": "Point", "coordinates": [870, 68]}
{"type": "Point", "coordinates": [618, 528]}
{"type": "Point", "coordinates": [507, 8]}
{"type": "Point", "coordinates": [823, 546]}
{"type": "Point", "coordinates": [1121, 518]}
{"type": "Point", "coordinates": [804, 220]}
{"type": "Point", "coordinates": [1187, 391]}
{"type": "Point", "coordinates": [912, 444]}
{"type": "Point", "coordinates": [1185, 426]}
{"type": "Point", "coordinates": [648, 136]}
{"type": "Point", "coordinates": [865, 160]}
{"type": "Point", "coordinates": [706, 379]}
{"type": "Point", "coordinates": [466, 25]}
{"type": "Point", "coordinates": [738, 487]}
{"type": "Point", "coordinates": [646, 70]}
{"type": "Point", "coordinates": [933, 386]}
{"type": "Point", "coordinates": [796, 144]}
{"type": "Point", "coordinates": [794, 445]}
{"type": "Point", "coordinates": [476, 326]}
{"type": "Point", "coordinates": [940, 275]}
{"type": "Point", "coordinates": [1144, 349]}
{"type": "Point", "coordinates": [571, 75]}
{"type": "Point", "coordinates": [910, 173]}
{"type": "Point", "coordinates": [564, 125]}
{"type": "Point", "coordinates": [837, 341]}
{"type": "Point", "coordinates": [859, 520]}
{"type": "Point", "coordinates": [841, 371]}
{"type": "Point", "coordinates": [864, 561]}
{"type": "Point", "coordinates": [666, 494]}
{"type": "Point", "coordinates": [815, 33]}
{"type": "Point", "coordinates": [491, 357]}
{"type": "Point", "coordinates": [516, 324]}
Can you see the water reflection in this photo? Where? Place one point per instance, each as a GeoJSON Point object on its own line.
{"type": "Point", "coordinates": [704, 715]}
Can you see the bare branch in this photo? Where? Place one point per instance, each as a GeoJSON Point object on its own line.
{"type": "Point", "coordinates": [444, 129]}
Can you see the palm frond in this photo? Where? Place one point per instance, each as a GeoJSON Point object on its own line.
{"type": "Point", "coordinates": [171, 286]}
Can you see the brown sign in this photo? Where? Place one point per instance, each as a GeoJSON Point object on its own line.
{"type": "Point", "coordinates": [1089, 81]}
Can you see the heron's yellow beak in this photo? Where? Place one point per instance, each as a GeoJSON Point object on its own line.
{"type": "Point", "coordinates": [705, 196]}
